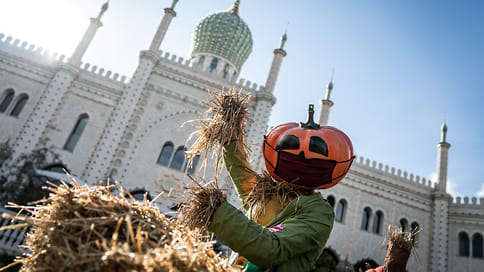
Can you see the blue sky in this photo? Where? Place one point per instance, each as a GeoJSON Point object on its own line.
{"type": "Point", "coordinates": [401, 67]}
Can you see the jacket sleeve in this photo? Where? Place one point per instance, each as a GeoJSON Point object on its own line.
{"type": "Point", "coordinates": [302, 232]}
{"type": "Point", "coordinates": [235, 159]}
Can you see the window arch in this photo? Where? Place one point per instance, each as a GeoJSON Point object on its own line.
{"type": "Point", "coordinates": [76, 133]}
{"type": "Point", "coordinates": [213, 64]}
{"type": "Point", "coordinates": [415, 229]}
{"type": "Point", "coordinates": [377, 222]}
{"type": "Point", "coordinates": [463, 244]}
{"type": "Point", "coordinates": [331, 201]}
{"type": "Point", "coordinates": [165, 154]}
{"type": "Point", "coordinates": [7, 99]}
{"type": "Point", "coordinates": [340, 211]}
{"type": "Point", "coordinates": [178, 159]}
{"type": "Point", "coordinates": [404, 224]}
{"type": "Point", "coordinates": [226, 70]}
{"type": "Point", "coordinates": [477, 245]}
{"type": "Point", "coordinates": [365, 220]}
{"type": "Point", "coordinates": [19, 105]}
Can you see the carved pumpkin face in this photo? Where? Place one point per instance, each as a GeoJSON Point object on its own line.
{"type": "Point", "coordinates": [307, 156]}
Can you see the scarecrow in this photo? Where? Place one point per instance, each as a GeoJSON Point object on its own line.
{"type": "Point", "coordinates": [288, 222]}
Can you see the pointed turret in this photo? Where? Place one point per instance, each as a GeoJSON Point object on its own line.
{"type": "Point", "coordinates": [442, 160]}
{"type": "Point", "coordinates": [163, 27]}
{"type": "Point", "coordinates": [88, 36]}
{"type": "Point", "coordinates": [279, 55]}
{"type": "Point", "coordinates": [440, 206]}
{"type": "Point", "coordinates": [326, 104]}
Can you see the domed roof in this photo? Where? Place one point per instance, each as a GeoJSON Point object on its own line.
{"type": "Point", "coordinates": [224, 34]}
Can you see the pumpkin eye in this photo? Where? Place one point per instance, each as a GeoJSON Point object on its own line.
{"type": "Point", "coordinates": [318, 145]}
{"type": "Point", "coordinates": [288, 142]}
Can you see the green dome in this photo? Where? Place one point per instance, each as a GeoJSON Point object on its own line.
{"type": "Point", "coordinates": [224, 34]}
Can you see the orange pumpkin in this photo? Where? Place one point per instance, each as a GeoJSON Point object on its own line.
{"type": "Point", "coordinates": [307, 155]}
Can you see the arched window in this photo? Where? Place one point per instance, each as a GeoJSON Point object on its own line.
{"type": "Point", "coordinates": [200, 62]}
{"type": "Point", "coordinates": [213, 64]}
{"type": "Point", "coordinates": [191, 169]}
{"type": "Point", "coordinates": [178, 159]}
{"type": "Point", "coordinates": [365, 220]}
{"type": "Point", "coordinates": [340, 211]}
{"type": "Point", "coordinates": [463, 244]}
{"type": "Point", "coordinates": [76, 133]}
{"type": "Point", "coordinates": [415, 229]}
{"type": "Point", "coordinates": [165, 154]}
{"type": "Point", "coordinates": [404, 224]}
{"type": "Point", "coordinates": [331, 201]}
{"type": "Point", "coordinates": [19, 105]}
{"type": "Point", "coordinates": [7, 99]}
{"type": "Point", "coordinates": [226, 70]}
{"type": "Point", "coordinates": [377, 221]}
{"type": "Point", "coordinates": [477, 245]}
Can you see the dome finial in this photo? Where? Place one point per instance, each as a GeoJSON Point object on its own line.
{"type": "Point", "coordinates": [284, 37]}
{"type": "Point", "coordinates": [443, 129]}
{"type": "Point", "coordinates": [235, 7]}
{"type": "Point", "coordinates": [329, 87]}
{"type": "Point", "coordinates": [103, 9]}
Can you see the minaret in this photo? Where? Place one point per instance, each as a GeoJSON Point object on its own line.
{"type": "Point", "coordinates": [108, 155]}
{"type": "Point", "coordinates": [326, 105]}
{"type": "Point", "coordinates": [440, 204]}
{"type": "Point", "coordinates": [279, 54]}
{"type": "Point", "coordinates": [88, 36]}
{"type": "Point", "coordinates": [265, 100]}
{"type": "Point", "coordinates": [442, 158]}
{"type": "Point", "coordinates": [163, 27]}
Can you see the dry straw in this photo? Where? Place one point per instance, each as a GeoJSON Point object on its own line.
{"type": "Point", "coordinates": [225, 118]}
{"type": "Point", "coordinates": [90, 229]}
{"type": "Point", "coordinates": [201, 203]}
{"type": "Point", "coordinates": [399, 247]}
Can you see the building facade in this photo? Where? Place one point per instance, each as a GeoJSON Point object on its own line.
{"type": "Point", "coordinates": [131, 129]}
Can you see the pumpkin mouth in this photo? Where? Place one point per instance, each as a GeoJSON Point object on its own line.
{"type": "Point", "coordinates": [301, 172]}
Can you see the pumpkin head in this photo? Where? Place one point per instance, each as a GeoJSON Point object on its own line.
{"type": "Point", "coordinates": [307, 155]}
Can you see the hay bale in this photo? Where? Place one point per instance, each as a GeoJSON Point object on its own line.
{"type": "Point", "coordinates": [90, 229]}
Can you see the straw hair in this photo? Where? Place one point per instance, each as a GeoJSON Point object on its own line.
{"type": "Point", "coordinates": [226, 118]}
{"type": "Point", "coordinates": [89, 229]}
{"type": "Point", "coordinates": [201, 203]}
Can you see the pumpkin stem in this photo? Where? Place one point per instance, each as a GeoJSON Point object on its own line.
{"type": "Point", "coordinates": [310, 124]}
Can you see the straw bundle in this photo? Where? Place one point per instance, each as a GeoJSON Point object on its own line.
{"type": "Point", "coordinates": [90, 229]}
{"type": "Point", "coordinates": [200, 205]}
{"type": "Point", "coordinates": [225, 119]}
{"type": "Point", "coordinates": [399, 247]}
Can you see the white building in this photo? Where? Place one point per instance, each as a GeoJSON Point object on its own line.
{"type": "Point", "coordinates": [102, 125]}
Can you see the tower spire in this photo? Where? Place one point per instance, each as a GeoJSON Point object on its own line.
{"type": "Point", "coordinates": [279, 54]}
{"type": "Point", "coordinates": [103, 10]}
{"type": "Point", "coordinates": [88, 36]}
{"type": "Point", "coordinates": [442, 159]}
{"type": "Point", "coordinates": [326, 103]}
{"type": "Point", "coordinates": [163, 27]}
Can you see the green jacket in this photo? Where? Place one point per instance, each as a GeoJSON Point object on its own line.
{"type": "Point", "coordinates": [292, 241]}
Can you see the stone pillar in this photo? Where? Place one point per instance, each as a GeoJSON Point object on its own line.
{"type": "Point", "coordinates": [103, 161]}
{"type": "Point", "coordinates": [162, 28]}
{"type": "Point", "coordinates": [440, 210]}
{"type": "Point", "coordinates": [43, 114]}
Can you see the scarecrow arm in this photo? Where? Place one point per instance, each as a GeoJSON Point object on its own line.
{"type": "Point", "coordinates": [301, 233]}
{"type": "Point", "coordinates": [235, 158]}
